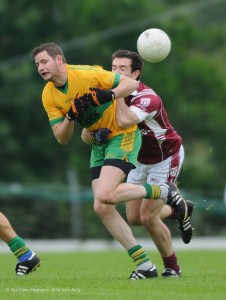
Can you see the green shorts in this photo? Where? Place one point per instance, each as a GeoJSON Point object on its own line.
{"type": "Point", "coordinates": [120, 151]}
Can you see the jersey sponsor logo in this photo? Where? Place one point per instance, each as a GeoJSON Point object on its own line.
{"type": "Point", "coordinates": [145, 101]}
{"type": "Point", "coordinates": [144, 131]}
{"type": "Point", "coordinates": [59, 107]}
{"type": "Point", "coordinates": [68, 100]}
{"type": "Point", "coordinates": [173, 172]}
{"type": "Point", "coordinates": [154, 180]}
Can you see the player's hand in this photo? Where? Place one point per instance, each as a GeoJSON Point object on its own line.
{"type": "Point", "coordinates": [98, 96]}
{"type": "Point", "coordinates": [78, 106]}
{"type": "Point", "coordinates": [101, 135]}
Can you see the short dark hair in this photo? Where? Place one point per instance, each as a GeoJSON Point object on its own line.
{"type": "Point", "coordinates": [136, 60]}
{"type": "Point", "coordinates": [51, 48]}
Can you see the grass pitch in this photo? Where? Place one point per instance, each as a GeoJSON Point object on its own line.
{"type": "Point", "coordinates": [104, 275]}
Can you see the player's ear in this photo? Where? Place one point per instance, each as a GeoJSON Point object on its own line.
{"type": "Point", "coordinates": [136, 74]}
{"type": "Point", "coordinates": [59, 58]}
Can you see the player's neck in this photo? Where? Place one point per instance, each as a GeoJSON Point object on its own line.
{"type": "Point", "coordinates": [60, 79]}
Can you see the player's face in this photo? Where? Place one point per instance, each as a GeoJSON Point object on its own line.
{"type": "Point", "coordinates": [123, 66]}
{"type": "Point", "coordinates": [48, 67]}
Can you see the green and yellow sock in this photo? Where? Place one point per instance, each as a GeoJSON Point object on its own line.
{"type": "Point", "coordinates": [140, 257]}
{"type": "Point", "coordinates": [153, 191]}
{"type": "Point", "coordinates": [20, 249]}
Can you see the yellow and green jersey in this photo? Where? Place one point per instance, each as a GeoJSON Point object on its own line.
{"type": "Point", "coordinates": [57, 101]}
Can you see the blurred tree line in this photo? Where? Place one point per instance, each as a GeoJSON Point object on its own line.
{"type": "Point", "coordinates": [191, 81]}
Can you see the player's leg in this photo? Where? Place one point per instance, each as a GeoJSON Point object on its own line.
{"type": "Point", "coordinates": [133, 207]}
{"type": "Point", "coordinates": [133, 212]}
{"type": "Point", "coordinates": [7, 233]}
{"type": "Point", "coordinates": [147, 213]}
{"type": "Point", "coordinates": [110, 163]}
{"type": "Point", "coordinates": [123, 149]}
{"type": "Point", "coordinates": [166, 212]}
{"type": "Point", "coordinates": [150, 217]}
{"type": "Point", "coordinates": [159, 232]}
{"type": "Point", "coordinates": [117, 226]}
{"type": "Point", "coordinates": [150, 210]}
{"type": "Point", "coordinates": [128, 192]}
{"type": "Point", "coordinates": [108, 180]}
{"type": "Point", "coordinates": [167, 170]}
{"type": "Point", "coordinates": [125, 192]}
{"type": "Point", "coordinates": [106, 174]}
{"type": "Point", "coordinates": [28, 261]}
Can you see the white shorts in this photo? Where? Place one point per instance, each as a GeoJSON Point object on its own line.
{"type": "Point", "coordinates": [165, 171]}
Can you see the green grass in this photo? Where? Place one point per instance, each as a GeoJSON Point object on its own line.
{"type": "Point", "coordinates": [104, 275]}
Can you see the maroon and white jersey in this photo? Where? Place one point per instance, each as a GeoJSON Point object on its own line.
{"type": "Point", "coordinates": [159, 139]}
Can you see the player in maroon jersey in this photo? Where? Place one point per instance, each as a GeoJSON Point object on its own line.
{"type": "Point", "coordinates": [159, 160]}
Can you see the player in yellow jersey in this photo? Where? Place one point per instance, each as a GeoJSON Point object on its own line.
{"type": "Point", "coordinates": [87, 95]}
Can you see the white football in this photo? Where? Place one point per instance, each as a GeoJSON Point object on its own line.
{"type": "Point", "coordinates": [153, 45]}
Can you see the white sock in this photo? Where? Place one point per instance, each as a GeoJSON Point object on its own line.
{"type": "Point", "coordinates": [145, 266]}
{"type": "Point", "coordinates": [164, 191]}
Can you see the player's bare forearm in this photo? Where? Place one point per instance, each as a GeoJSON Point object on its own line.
{"type": "Point", "coordinates": [87, 137]}
{"type": "Point", "coordinates": [125, 87]}
{"type": "Point", "coordinates": [63, 131]}
{"type": "Point", "coordinates": [124, 116]}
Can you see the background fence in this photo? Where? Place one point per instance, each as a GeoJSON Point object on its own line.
{"type": "Point", "coordinates": [66, 211]}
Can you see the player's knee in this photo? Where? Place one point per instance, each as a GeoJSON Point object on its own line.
{"type": "Point", "coordinates": [150, 214]}
{"type": "Point", "coordinates": [99, 208]}
{"type": "Point", "coordinates": [133, 219]}
{"type": "Point", "coordinates": [5, 227]}
{"type": "Point", "coordinates": [102, 210]}
{"type": "Point", "coordinates": [105, 198]}
{"type": "Point", "coordinates": [148, 218]}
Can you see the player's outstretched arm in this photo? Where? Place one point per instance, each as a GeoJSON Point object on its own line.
{"type": "Point", "coordinates": [125, 87]}
{"type": "Point", "coordinates": [98, 96]}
